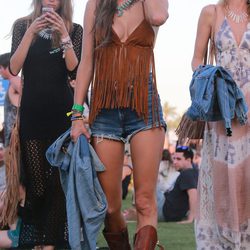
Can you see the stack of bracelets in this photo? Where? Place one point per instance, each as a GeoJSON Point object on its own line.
{"type": "Point", "coordinates": [66, 44]}
{"type": "Point", "coordinates": [76, 112]}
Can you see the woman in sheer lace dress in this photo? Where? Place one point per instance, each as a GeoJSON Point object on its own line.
{"type": "Point", "coordinates": [46, 45]}
{"type": "Point", "coordinates": [223, 219]}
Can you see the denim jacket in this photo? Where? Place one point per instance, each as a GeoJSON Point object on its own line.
{"type": "Point", "coordinates": [85, 201]}
{"type": "Point", "coordinates": [215, 96]}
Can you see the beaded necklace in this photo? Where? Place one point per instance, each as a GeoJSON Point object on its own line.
{"type": "Point", "coordinates": [237, 17]}
{"type": "Point", "coordinates": [124, 6]}
{"type": "Point", "coordinates": [46, 34]}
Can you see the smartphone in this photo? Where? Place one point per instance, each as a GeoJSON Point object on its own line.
{"type": "Point", "coordinates": [44, 10]}
{"type": "Point", "coordinates": [47, 9]}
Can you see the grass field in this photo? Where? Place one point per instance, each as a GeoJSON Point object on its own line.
{"type": "Point", "coordinates": [172, 236]}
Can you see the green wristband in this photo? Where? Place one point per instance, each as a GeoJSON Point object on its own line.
{"type": "Point", "coordinates": [78, 107]}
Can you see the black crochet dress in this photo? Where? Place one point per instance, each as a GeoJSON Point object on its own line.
{"type": "Point", "coordinates": [46, 98]}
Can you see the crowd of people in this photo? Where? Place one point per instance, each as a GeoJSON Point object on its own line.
{"type": "Point", "coordinates": [99, 81]}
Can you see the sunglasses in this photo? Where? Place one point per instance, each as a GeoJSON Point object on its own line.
{"type": "Point", "coordinates": [182, 147]}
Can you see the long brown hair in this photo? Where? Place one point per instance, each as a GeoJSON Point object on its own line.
{"type": "Point", "coordinates": [65, 11]}
{"type": "Point", "coordinates": [105, 11]}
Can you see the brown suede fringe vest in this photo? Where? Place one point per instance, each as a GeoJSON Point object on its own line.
{"type": "Point", "coordinates": [122, 72]}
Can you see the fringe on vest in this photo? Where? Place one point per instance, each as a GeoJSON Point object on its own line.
{"type": "Point", "coordinates": [121, 80]}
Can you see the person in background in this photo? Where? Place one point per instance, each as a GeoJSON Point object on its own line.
{"type": "Point", "coordinates": [12, 98]}
{"type": "Point", "coordinates": [11, 104]}
{"type": "Point", "coordinates": [2, 175]}
{"type": "Point", "coordinates": [167, 173]}
{"type": "Point", "coordinates": [126, 174]}
{"type": "Point", "coordinates": [46, 45]}
{"type": "Point", "coordinates": [117, 58]}
{"type": "Point", "coordinates": [197, 158]}
{"type": "Point", "coordinates": [224, 205]}
{"type": "Point", "coordinates": [179, 204]}
{"type": "Point", "coordinates": [166, 179]}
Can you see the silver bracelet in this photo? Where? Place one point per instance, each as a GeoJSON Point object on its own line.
{"type": "Point", "coordinates": [66, 44]}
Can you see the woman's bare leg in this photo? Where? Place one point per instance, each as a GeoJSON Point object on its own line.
{"type": "Point", "coordinates": [146, 150]}
{"type": "Point", "coordinates": [111, 154]}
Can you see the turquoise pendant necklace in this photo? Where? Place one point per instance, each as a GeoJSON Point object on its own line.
{"type": "Point", "coordinates": [124, 6]}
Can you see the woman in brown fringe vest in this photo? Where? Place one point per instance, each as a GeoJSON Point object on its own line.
{"type": "Point", "coordinates": [118, 60]}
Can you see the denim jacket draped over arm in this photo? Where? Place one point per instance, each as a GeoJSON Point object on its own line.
{"type": "Point", "coordinates": [85, 201]}
{"type": "Point", "coordinates": [215, 96]}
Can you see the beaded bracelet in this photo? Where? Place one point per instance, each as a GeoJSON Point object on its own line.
{"type": "Point", "coordinates": [77, 116]}
{"type": "Point", "coordinates": [76, 109]}
{"type": "Point", "coordinates": [66, 39]}
{"type": "Point", "coordinates": [75, 119]}
{"type": "Point", "coordinates": [66, 44]}
{"type": "Point", "coordinates": [73, 112]}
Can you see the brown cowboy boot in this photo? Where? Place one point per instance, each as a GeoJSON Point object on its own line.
{"type": "Point", "coordinates": [146, 239]}
{"type": "Point", "coordinates": [117, 241]}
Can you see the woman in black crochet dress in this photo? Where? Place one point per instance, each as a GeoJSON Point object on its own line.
{"type": "Point", "coordinates": [46, 45]}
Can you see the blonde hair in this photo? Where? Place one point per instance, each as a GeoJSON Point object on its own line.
{"type": "Point", "coordinates": [65, 11]}
{"type": "Point", "coordinates": [224, 2]}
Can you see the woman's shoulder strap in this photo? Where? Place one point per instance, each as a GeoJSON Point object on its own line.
{"type": "Point", "coordinates": [214, 21]}
{"type": "Point", "coordinates": [143, 9]}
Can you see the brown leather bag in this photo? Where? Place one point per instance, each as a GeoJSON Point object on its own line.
{"type": "Point", "coordinates": [189, 130]}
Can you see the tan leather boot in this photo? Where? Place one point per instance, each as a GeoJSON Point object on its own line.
{"type": "Point", "coordinates": [146, 239]}
{"type": "Point", "coordinates": [117, 241]}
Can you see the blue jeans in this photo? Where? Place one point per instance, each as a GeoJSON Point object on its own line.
{"type": "Point", "coordinates": [122, 124]}
{"type": "Point", "coordinates": [160, 203]}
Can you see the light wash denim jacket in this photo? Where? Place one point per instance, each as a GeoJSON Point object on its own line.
{"type": "Point", "coordinates": [215, 96]}
{"type": "Point", "coordinates": [85, 201]}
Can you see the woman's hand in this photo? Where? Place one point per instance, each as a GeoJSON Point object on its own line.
{"type": "Point", "coordinates": [56, 23]}
{"type": "Point", "coordinates": [78, 128]}
{"type": "Point", "coordinates": [38, 24]}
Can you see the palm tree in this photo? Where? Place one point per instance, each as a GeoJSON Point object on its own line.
{"type": "Point", "coordinates": [171, 116]}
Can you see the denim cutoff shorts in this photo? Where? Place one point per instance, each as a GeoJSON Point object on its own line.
{"type": "Point", "coordinates": [121, 124]}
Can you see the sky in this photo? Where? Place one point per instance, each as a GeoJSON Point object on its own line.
{"type": "Point", "coordinates": [173, 51]}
